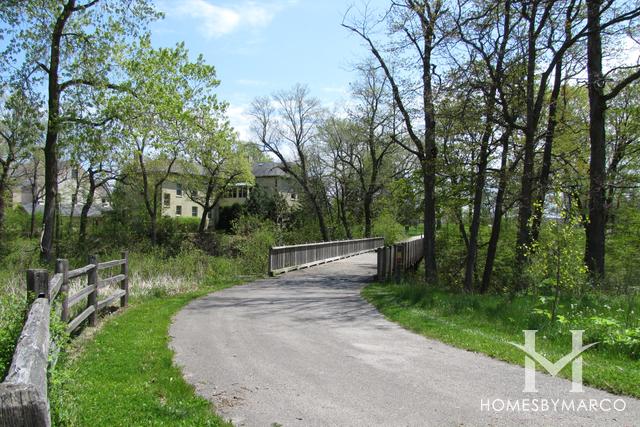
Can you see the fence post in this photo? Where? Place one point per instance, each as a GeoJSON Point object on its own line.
{"type": "Point", "coordinates": [399, 261]}
{"type": "Point", "coordinates": [92, 279]}
{"type": "Point", "coordinates": [37, 284]}
{"type": "Point", "coordinates": [124, 284]}
{"type": "Point", "coordinates": [62, 267]}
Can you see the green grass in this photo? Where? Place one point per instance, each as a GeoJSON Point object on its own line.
{"type": "Point", "coordinates": [125, 375]}
{"type": "Point", "coordinates": [486, 324]}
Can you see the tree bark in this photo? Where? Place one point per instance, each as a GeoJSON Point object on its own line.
{"type": "Point", "coordinates": [51, 140]}
{"type": "Point", "coordinates": [526, 181]}
{"type": "Point", "coordinates": [497, 217]}
{"type": "Point", "coordinates": [429, 219]}
{"type": "Point", "coordinates": [472, 249]}
{"type": "Point", "coordinates": [545, 170]}
{"type": "Point", "coordinates": [367, 202]}
{"type": "Point", "coordinates": [3, 187]}
{"type": "Point", "coordinates": [595, 231]}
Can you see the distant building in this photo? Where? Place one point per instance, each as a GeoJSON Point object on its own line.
{"type": "Point", "coordinates": [176, 203]}
{"type": "Point", "coordinates": [73, 185]}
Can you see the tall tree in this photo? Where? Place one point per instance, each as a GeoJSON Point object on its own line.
{"type": "Point", "coordinates": [72, 43]}
{"type": "Point", "coordinates": [20, 131]}
{"type": "Point", "coordinates": [366, 141]}
{"type": "Point", "coordinates": [617, 15]}
{"type": "Point", "coordinates": [414, 37]}
{"type": "Point", "coordinates": [219, 161]}
{"type": "Point", "coordinates": [289, 131]}
{"type": "Point", "coordinates": [158, 113]}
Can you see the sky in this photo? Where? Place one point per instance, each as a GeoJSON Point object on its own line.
{"type": "Point", "coordinates": [259, 47]}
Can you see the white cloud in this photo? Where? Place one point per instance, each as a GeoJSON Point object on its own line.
{"type": "Point", "coordinates": [241, 121]}
{"type": "Point", "coordinates": [216, 21]}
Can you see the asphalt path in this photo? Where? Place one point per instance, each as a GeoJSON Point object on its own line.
{"type": "Point", "coordinates": [305, 349]}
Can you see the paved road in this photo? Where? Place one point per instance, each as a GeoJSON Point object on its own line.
{"type": "Point", "coordinates": [304, 349]}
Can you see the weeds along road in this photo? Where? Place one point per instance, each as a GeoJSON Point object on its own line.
{"type": "Point", "coordinates": [305, 349]}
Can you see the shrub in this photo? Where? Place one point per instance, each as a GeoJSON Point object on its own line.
{"type": "Point", "coordinates": [12, 314]}
{"type": "Point", "coordinates": [254, 237]}
{"type": "Point", "coordinates": [228, 214]}
{"type": "Point", "coordinates": [386, 226]}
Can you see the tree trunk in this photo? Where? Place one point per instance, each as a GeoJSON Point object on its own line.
{"type": "Point", "coordinates": [430, 266]}
{"type": "Point", "coordinates": [84, 214]}
{"type": "Point", "coordinates": [526, 182]}
{"type": "Point", "coordinates": [1, 212]}
{"type": "Point", "coordinates": [154, 231]}
{"type": "Point", "coordinates": [51, 140]}
{"type": "Point", "coordinates": [497, 217]}
{"type": "Point", "coordinates": [32, 225]}
{"type": "Point", "coordinates": [595, 236]}
{"type": "Point", "coordinates": [342, 212]}
{"type": "Point", "coordinates": [472, 249]}
{"type": "Point", "coordinates": [367, 202]}
{"type": "Point", "coordinates": [202, 226]}
{"type": "Point", "coordinates": [3, 188]}
{"type": "Point", "coordinates": [545, 170]}
{"type": "Point", "coordinates": [321, 222]}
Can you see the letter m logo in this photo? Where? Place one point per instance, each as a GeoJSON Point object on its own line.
{"type": "Point", "coordinates": [532, 356]}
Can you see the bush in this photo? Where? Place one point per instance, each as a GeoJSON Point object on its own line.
{"type": "Point", "coordinates": [12, 314]}
{"type": "Point", "coordinates": [228, 214]}
{"type": "Point", "coordinates": [386, 226]}
{"type": "Point", "coordinates": [254, 237]}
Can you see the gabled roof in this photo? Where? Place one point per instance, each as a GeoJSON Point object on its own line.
{"type": "Point", "coordinates": [265, 169]}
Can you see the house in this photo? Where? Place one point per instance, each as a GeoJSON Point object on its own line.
{"type": "Point", "coordinates": [73, 184]}
{"type": "Point", "coordinates": [176, 203]}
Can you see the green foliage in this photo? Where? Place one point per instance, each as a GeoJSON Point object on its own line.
{"type": "Point", "coordinates": [556, 259]}
{"type": "Point", "coordinates": [385, 225]}
{"type": "Point", "coordinates": [127, 373]}
{"type": "Point", "coordinates": [267, 204]}
{"type": "Point", "coordinates": [16, 227]}
{"type": "Point", "coordinates": [623, 249]}
{"type": "Point", "coordinates": [228, 214]}
{"type": "Point", "coordinates": [12, 314]}
{"type": "Point", "coordinates": [486, 323]}
{"type": "Point", "coordinates": [253, 238]}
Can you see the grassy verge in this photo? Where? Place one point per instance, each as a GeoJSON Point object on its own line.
{"type": "Point", "coordinates": [487, 324]}
{"type": "Point", "coordinates": [125, 374]}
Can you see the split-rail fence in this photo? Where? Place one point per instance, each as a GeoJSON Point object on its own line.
{"type": "Point", "coordinates": [23, 393]}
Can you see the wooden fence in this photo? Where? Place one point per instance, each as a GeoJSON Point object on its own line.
{"type": "Point", "coordinates": [287, 258]}
{"type": "Point", "coordinates": [23, 393]}
{"type": "Point", "coordinates": [393, 260]}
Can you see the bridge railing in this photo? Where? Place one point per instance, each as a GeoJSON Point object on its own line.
{"type": "Point", "coordinates": [287, 258]}
{"type": "Point", "coordinates": [393, 260]}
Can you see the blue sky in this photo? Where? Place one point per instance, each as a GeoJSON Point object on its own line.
{"type": "Point", "coordinates": [259, 47]}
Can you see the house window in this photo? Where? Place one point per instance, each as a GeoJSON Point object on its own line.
{"type": "Point", "coordinates": [194, 194]}
{"type": "Point", "coordinates": [104, 202]}
{"type": "Point", "coordinates": [167, 199]}
{"type": "Point", "coordinates": [179, 190]}
{"type": "Point", "coordinates": [230, 193]}
{"type": "Point", "coordinates": [194, 211]}
{"type": "Point", "coordinates": [178, 210]}
{"type": "Point", "coordinates": [74, 173]}
{"type": "Point", "coordinates": [210, 214]}
{"type": "Point", "coordinates": [242, 192]}
{"type": "Point", "coordinates": [294, 196]}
